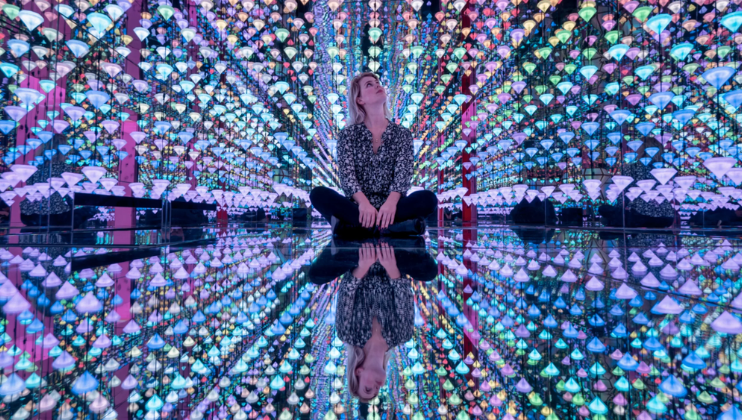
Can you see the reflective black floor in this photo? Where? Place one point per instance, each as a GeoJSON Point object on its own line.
{"type": "Point", "coordinates": [289, 323]}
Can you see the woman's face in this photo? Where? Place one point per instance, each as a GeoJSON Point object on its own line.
{"type": "Point", "coordinates": [371, 92]}
{"type": "Point", "coordinates": [370, 381]}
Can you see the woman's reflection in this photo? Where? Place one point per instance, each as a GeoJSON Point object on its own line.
{"type": "Point", "coordinates": [375, 313]}
{"type": "Point", "coordinates": [339, 256]}
{"type": "Point", "coordinates": [375, 309]}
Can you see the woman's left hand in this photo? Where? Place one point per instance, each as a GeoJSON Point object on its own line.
{"type": "Point", "coordinates": [386, 214]}
{"type": "Point", "coordinates": [385, 253]}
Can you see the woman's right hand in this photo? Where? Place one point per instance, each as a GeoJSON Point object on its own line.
{"type": "Point", "coordinates": [367, 214]}
{"type": "Point", "coordinates": [367, 256]}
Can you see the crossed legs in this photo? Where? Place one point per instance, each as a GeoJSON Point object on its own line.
{"type": "Point", "coordinates": [329, 203]}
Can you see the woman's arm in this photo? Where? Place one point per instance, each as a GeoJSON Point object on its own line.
{"type": "Point", "coordinates": [401, 182]}
{"type": "Point", "coordinates": [403, 167]}
{"type": "Point", "coordinates": [347, 170]}
{"type": "Point", "coordinates": [361, 198]}
{"type": "Point", "coordinates": [348, 285]}
{"type": "Point", "coordinates": [404, 311]}
{"type": "Point", "coordinates": [346, 305]}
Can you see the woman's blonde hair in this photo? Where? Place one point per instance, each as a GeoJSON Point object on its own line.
{"type": "Point", "coordinates": [354, 358]}
{"type": "Point", "coordinates": [356, 113]}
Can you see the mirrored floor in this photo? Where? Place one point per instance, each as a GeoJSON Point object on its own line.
{"type": "Point", "coordinates": [461, 323]}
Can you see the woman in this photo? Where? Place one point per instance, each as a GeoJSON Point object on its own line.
{"type": "Point", "coordinates": [639, 213]}
{"type": "Point", "coordinates": [375, 158]}
{"type": "Point", "coordinates": [375, 313]}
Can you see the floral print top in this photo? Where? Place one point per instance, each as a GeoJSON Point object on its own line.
{"type": "Point", "coordinates": [390, 301]}
{"type": "Point", "coordinates": [375, 174]}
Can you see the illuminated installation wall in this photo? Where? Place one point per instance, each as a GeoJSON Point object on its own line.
{"type": "Point", "coordinates": [594, 90]}
{"type": "Point", "coordinates": [239, 103]}
{"type": "Point", "coordinates": [145, 100]}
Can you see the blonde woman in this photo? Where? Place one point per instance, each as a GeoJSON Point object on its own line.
{"type": "Point", "coordinates": [375, 313]}
{"type": "Point", "coordinates": [375, 161]}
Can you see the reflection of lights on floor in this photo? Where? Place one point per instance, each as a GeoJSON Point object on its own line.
{"type": "Point", "coordinates": [638, 326]}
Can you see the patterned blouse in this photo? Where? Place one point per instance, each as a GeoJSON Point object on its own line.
{"type": "Point", "coordinates": [390, 301]}
{"type": "Point", "coordinates": [375, 174]}
{"type": "Point", "coordinates": [639, 171]}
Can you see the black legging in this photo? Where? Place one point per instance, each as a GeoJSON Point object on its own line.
{"type": "Point", "coordinates": [536, 212]}
{"type": "Point", "coordinates": [716, 218]}
{"type": "Point", "coordinates": [613, 218]}
{"type": "Point", "coordinates": [329, 203]}
{"type": "Point", "coordinates": [412, 257]}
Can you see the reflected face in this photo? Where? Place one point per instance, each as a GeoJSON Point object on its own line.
{"type": "Point", "coordinates": [370, 381]}
{"type": "Point", "coordinates": [371, 92]}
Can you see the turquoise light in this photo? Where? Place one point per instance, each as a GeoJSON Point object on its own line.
{"type": "Point", "coordinates": [680, 51]}
{"type": "Point", "coordinates": [658, 23]}
{"type": "Point", "coordinates": [732, 21]}
{"type": "Point", "coordinates": [618, 51]}
{"type": "Point", "coordinates": [99, 22]}
{"type": "Point", "coordinates": [644, 71]}
{"type": "Point", "coordinates": [564, 87]}
{"type": "Point", "coordinates": [9, 70]}
{"type": "Point", "coordinates": [611, 88]}
{"type": "Point", "coordinates": [588, 71]}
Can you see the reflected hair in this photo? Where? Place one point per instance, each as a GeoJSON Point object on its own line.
{"type": "Point", "coordinates": [354, 357]}
{"type": "Point", "coordinates": [356, 113]}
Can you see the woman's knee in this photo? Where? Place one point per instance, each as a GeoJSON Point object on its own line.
{"type": "Point", "coordinates": [427, 200]}
{"type": "Point", "coordinates": [319, 195]}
